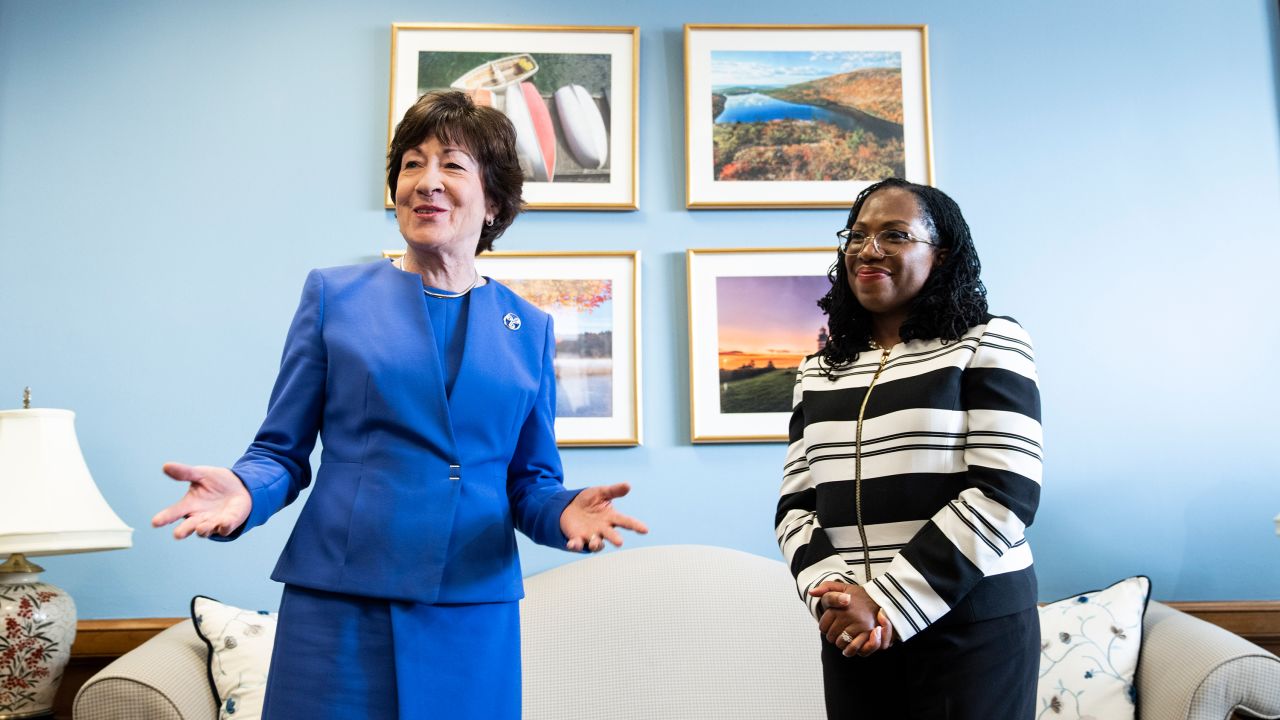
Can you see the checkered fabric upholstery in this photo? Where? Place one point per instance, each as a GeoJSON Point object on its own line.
{"type": "Point", "coordinates": [1195, 670]}
{"type": "Point", "coordinates": [165, 678]}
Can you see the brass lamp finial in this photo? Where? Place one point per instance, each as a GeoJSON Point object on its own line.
{"type": "Point", "coordinates": [26, 398]}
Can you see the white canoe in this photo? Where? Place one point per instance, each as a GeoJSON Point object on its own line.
{"type": "Point", "coordinates": [498, 74]}
{"type": "Point", "coordinates": [583, 126]}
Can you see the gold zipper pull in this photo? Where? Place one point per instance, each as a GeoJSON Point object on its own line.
{"type": "Point", "coordinates": [884, 360]}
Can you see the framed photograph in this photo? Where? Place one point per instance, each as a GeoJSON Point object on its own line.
{"type": "Point", "coordinates": [570, 92]}
{"type": "Point", "coordinates": [753, 318]}
{"type": "Point", "coordinates": [594, 299]}
{"type": "Point", "coordinates": [794, 116]}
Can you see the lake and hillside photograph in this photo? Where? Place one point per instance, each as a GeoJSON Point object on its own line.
{"type": "Point", "coordinates": [823, 116]}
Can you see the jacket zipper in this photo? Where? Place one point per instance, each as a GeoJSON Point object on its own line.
{"type": "Point", "coordinates": [857, 468]}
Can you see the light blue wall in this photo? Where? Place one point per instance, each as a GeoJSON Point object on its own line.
{"type": "Point", "coordinates": [169, 171]}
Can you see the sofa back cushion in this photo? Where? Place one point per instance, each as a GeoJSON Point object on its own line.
{"type": "Point", "coordinates": [683, 631]}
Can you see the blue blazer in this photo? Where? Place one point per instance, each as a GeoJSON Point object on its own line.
{"type": "Point", "coordinates": [418, 493]}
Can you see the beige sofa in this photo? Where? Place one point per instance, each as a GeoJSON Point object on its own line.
{"type": "Point", "coordinates": [694, 632]}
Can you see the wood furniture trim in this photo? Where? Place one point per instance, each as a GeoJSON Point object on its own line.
{"type": "Point", "coordinates": [1257, 621]}
{"type": "Point", "coordinates": [113, 638]}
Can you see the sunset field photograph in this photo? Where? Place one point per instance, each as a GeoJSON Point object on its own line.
{"type": "Point", "coordinates": [766, 326]}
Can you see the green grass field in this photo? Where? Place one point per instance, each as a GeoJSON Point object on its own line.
{"type": "Point", "coordinates": [770, 392]}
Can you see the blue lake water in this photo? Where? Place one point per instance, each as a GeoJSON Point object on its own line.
{"type": "Point", "coordinates": [579, 395]}
{"type": "Point", "coordinates": [755, 107]}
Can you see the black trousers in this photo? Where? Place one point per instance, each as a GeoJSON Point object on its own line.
{"type": "Point", "coordinates": [984, 670]}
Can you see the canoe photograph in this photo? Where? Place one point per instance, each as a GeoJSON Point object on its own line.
{"type": "Point", "coordinates": [558, 103]}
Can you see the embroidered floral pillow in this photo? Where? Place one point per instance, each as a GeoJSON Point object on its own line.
{"type": "Point", "coordinates": [1089, 647]}
{"type": "Point", "coordinates": [240, 644]}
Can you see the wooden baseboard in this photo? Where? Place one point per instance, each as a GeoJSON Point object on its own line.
{"type": "Point", "coordinates": [1257, 621]}
{"type": "Point", "coordinates": [98, 642]}
{"type": "Point", "coordinates": [113, 638]}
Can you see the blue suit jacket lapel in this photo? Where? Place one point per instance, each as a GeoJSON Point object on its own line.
{"type": "Point", "coordinates": [427, 385]}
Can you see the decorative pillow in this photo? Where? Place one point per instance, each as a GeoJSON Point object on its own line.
{"type": "Point", "coordinates": [1089, 648]}
{"type": "Point", "coordinates": [240, 644]}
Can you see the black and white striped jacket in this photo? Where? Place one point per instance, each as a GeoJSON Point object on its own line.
{"type": "Point", "coordinates": [950, 465]}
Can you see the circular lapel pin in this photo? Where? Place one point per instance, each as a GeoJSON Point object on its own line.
{"type": "Point", "coordinates": [512, 321]}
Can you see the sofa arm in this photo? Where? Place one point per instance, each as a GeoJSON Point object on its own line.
{"type": "Point", "coordinates": [1194, 670]}
{"type": "Point", "coordinates": [165, 678]}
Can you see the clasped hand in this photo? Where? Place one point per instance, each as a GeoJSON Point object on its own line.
{"type": "Point", "coordinates": [851, 620]}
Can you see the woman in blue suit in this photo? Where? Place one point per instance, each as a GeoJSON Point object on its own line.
{"type": "Point", "coordinates": [433, 391]}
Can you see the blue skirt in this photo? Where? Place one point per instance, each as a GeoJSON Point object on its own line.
{"type": "Point", "coordinates": [342, 656]}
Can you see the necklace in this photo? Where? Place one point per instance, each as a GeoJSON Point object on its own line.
{"type": "Point", "coordinates": [446, 295]}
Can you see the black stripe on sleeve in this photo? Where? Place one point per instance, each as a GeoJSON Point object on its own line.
{"type": "Point", "coordinates": [1006, 338]}
{"type": "Point", "coordinates": [808, 520]}
{"type": "Point", "coordinates": [974, 528]}
{"type": "Point", "coordinates": [815, 551]}
{"type": "Point", "coordinates": [795, 430]}
{"type": "Point", "coordinates": [893, 599]}
{"type": "Point", "coordinates": [907, 595]}
{"type": "Point", "coordinates": [1020, 494]}
{"type": "Point", "coordinates": [1000, 389]}
{"type": "Point", "coordinates": [991, 528]}
{"type": "Point", "coordinates": [1007, 348]}
{"type": "Point", "coordinates": [806, 500]}
{"type": "Point", "coordinates": [946, 569]}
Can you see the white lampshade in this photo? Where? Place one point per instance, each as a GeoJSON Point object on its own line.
{"type": "Point", "coordinates": [49, 504]}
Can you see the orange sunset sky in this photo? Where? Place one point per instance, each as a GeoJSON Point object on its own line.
{"type": "Point", "coordinates": [768, 319]}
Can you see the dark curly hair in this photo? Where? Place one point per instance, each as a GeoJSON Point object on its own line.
{"type": "Point", "coordinates": [952, 300]}
{"type": "Point", "coordinates": [452, 117]}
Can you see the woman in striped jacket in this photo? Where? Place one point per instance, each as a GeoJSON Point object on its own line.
{"type": "Point", "coordinates": [913, 471]}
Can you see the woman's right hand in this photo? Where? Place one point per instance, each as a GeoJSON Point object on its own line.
{"type": "Point", "coordinates": [216, 502]}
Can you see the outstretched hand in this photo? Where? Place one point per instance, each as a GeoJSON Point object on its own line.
{"type": "Point", "coordinates": [216, 502]}
{"type": "Point", "coordinates": [852, 621]}
{"type": "Point", "coordinates": [591, 518]}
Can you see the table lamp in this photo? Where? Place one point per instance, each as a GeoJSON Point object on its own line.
{"type": "Point", "coordinates": [49, 505]}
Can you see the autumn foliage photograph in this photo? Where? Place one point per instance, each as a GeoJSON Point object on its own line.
{"type": "Point", "coordinates": [583, 314]}
{"type": "Point", "coordinates": [798, 116]}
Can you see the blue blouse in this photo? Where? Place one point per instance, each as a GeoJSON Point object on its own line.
{"type": "Point", "coordinates": [449, 325]}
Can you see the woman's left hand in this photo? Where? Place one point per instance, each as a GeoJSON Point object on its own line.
{"type": "Point", "coordinates": [851, 620]}
{"type": "Point", "coordinates": [591, 518]}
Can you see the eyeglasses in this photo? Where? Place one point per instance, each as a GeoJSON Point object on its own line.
{"type": "Point", "coordinates": [886, 242]}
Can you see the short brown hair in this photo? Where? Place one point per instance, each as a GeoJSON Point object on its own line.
{"type": "Point", "coordinates": [451, 117]}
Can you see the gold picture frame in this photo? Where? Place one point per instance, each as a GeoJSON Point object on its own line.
{"type": "Point", "coordinates": [572, 93]}
{"type": "Point", "coordinates": [803, 116]}
{"type": "Point", "coordinates": [753, 317]}
{"type": "Point", "coordinates": [594, 298]}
